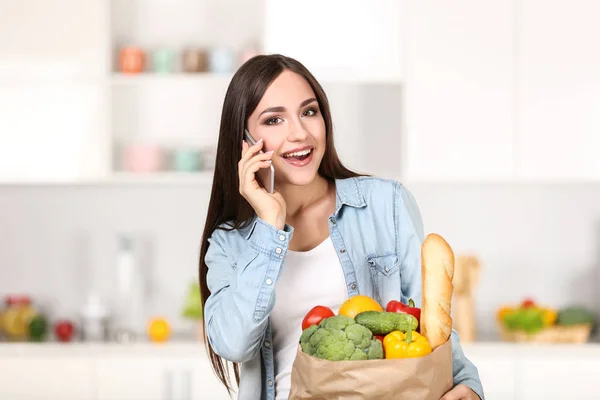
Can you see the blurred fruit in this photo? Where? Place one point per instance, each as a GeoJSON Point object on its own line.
{"type": "Point", "coordinates": [502, 312]}
{"type": "Point", "coordinates": [357, 304]}
{"type": "Point", "coordinates": [159, 330]}
{"type": "Point", "coordinates": [38, 328]}
{"type": "Point", "coordinates": [64, 331]}
{"type": "Point", "coordinates": [16, 317]}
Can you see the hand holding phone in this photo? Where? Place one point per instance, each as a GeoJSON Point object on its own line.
{"type": "Point", "coordinates": [269, 185]}
{"type": "Point", "coordinates": [269, 205]}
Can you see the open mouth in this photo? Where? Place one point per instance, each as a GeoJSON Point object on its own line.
{"type": "Point", "coordinates": [298, 155]}
{"type": "Point", "coordinates": [299, 158]}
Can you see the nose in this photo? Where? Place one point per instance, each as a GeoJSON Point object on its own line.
{"type": "Point", "coordinates": [297, 131]}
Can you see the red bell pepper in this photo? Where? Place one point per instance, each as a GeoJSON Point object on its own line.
{"type": "Point", "coordinates": [397, 306]}
{"type": "Point", "coordinates": [528, 303]}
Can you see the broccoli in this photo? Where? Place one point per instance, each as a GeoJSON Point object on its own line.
{"type": "Point", "coordinates": [340, 338]}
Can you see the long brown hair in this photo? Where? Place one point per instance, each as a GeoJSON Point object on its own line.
{"type": "Point", "coordinates": [227, 206]}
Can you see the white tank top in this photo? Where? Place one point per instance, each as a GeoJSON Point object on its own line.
{"type": "Point", "coordinates": [307, 279]}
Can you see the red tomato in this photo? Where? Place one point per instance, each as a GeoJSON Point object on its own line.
{"type": "Point", "coordinates": [316, 315]}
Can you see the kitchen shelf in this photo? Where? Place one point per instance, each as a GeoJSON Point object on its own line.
{"type": "Point", "coordinates": [201, 177]}
{"type": "Point", "coordinates": [121, 79]}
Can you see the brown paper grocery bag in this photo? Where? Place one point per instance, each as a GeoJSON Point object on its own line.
{"type": "Point", "coordinates": [423, 378]}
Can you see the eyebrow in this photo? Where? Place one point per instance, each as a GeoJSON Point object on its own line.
{"type": "Point", "coordinates": [282, 109]}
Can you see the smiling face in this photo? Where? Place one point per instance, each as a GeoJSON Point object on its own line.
{"type": "Point", "coordinates": [289, 121]}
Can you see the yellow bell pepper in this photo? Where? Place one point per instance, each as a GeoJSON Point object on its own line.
{"type": "Point", "coordinates": [549, 316]}
{"type": "Point", "coordinates": [398, 344]}
{"type": "Point", "coordinates": [502, 311]}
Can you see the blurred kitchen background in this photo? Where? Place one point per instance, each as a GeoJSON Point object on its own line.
{"type": "Point", "coordinates": [488, 111]}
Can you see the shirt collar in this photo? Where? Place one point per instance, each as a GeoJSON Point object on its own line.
{"type": "Point", "coordinates": [348, 194]}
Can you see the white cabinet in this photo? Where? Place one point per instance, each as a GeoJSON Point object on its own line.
{"type": "Point", "coordinates": [37, 378]}
{"type": "Point", "coordinates": [559, 90]}
{"type": "Point", "coordinates": [498, 373]}
{"type": "Point", "coordinates": [148, 377]}
{"type": "Point", "coordinates": [50, 132]}
{"type": "Point", "coordinates": [459, 97]}
{"type": "Point", "coordinates": [120, 378]}
{"type": "Point", "coordinates": [559, 375]}
{"type": "Point", "coordinates": [52, 92]}
{"type": "Point", "coordinates": [52, 39]}
{"type": "Point", "coordinates": [352, 40]}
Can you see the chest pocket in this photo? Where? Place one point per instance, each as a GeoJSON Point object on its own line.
{"type": "Point", "coordinates": [385, 276]}
{"type": "Point", "coordinates": [386, 264]}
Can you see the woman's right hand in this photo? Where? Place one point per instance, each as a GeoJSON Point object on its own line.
{"type": "Point", "coordinates": [270, 208]}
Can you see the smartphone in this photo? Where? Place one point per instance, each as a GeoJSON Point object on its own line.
{"type": "Point", "coordinates": [271, 176]}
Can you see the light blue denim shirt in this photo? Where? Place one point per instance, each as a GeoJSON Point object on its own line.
{"type": "Point", "coordinates": [377, 231]}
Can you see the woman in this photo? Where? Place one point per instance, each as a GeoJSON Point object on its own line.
{"type": "Point", "coordinates": [326, 233]}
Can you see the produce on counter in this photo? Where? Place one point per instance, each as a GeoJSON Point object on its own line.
{"type": "Point", "coordinates": [38, 328]}
{"type": "Point", "coordinates": [340, 338]}
{"type": "Point", "coordinates": [64, 330]}
{"type": "Point", "coordinates": [410, 308]}
{"type": "Point", "coordinates": [531, 321]}
{"type": "Point", "coordinates": [159, 330]}
{"type": "Point", "coordinates": [16, 316]}
{"type": "Point", "coordinates": [192, 308]}
{"type": "Point", "coordinates": [383, 322]}
{"type": "Point", "coordinates": [316, 315]}
{"type": "Point", "coordinates": [575, 315]}
{"type": "Point", "coordinates": [411, 344]}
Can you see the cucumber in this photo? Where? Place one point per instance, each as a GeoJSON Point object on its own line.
{"type": "Point", "coordinates": [383, 322]}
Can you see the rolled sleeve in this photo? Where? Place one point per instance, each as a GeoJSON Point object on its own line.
{"type": "Point", "coordinates": [242, 283]}
{"type": "Point", "coordinates": [465, 372]}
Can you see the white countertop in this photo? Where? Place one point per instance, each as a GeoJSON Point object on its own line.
{"type": "Point", "coordinates": [187, 348]}
{"type": "Point", "coordinates": [76, 349]}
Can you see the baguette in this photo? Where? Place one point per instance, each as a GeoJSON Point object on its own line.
{"type": "Point", "coordinates": [437, 269]}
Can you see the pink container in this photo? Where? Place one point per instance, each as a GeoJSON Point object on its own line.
{"type": "Point", "coordinates": [143, 158]}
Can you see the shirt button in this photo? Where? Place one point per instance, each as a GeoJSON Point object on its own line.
{"type": "Point", "coordinates": [269, 281]}
{"type": "Point", "coordinates": [353, 286]}
{"type": "Point", "coordinates": [267, 344]}
{"type": "Point", "coordinates": [342, 251]}
{"type": "Point", "coordinates": [278, 250]}
{"type": "Point", "coordinates": [333, 220]}
{"type": "Point", "coordinates": [281, 237]}
{"type": "Point", "coordinates": [386, 269]}
{"type": "Point", "coordinates": [270, 383]}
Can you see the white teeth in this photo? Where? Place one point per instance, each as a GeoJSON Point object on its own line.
{"type": "Point", "coordinates": [298, 153]}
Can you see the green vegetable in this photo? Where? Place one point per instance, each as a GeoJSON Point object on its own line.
{"type": "Point", "coordinates": [340, 338]}
{"type": "Point", "coordinates": [38, 328]}
{"type": "Point", "coordinates": [193, 303]}
{"type": "Point", "coordinates": [575, 315]}
{"type": "Point", "coordinates": [383, 322]}
{"type": "Point", "coordinates": [530, 320]}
